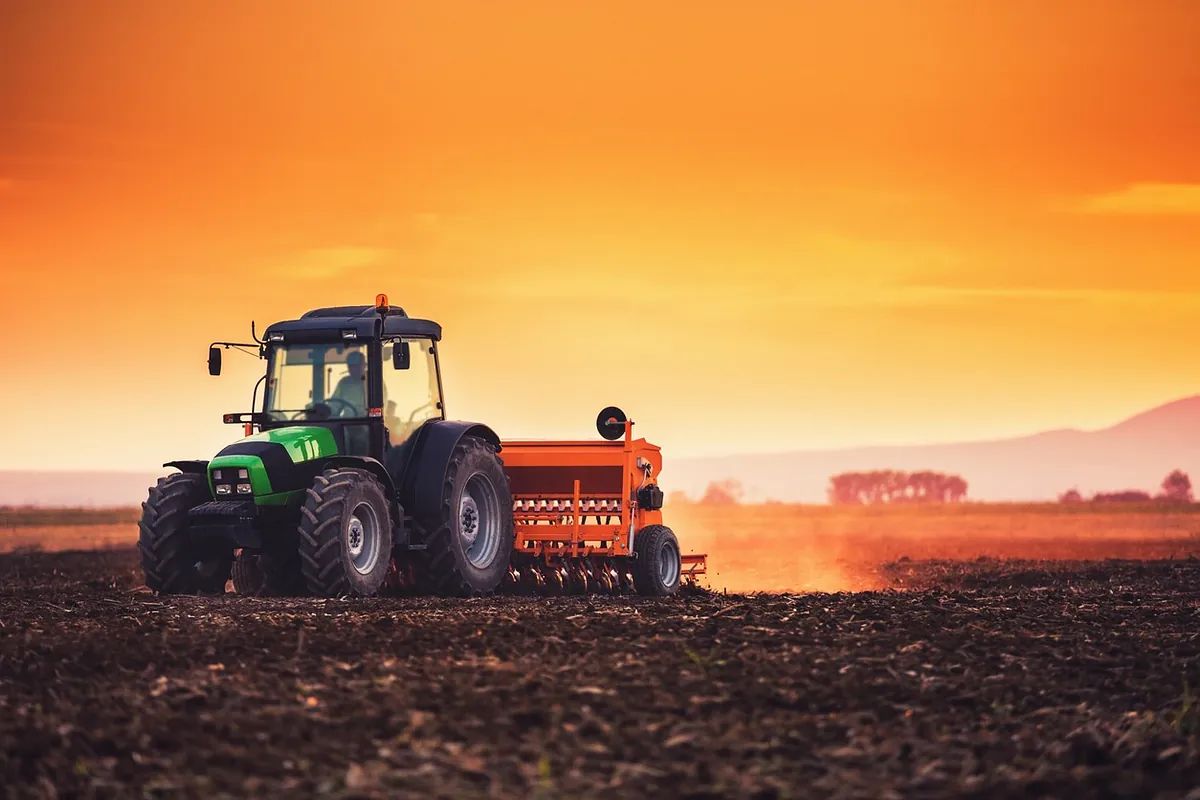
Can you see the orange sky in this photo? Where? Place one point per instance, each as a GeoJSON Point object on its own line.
{"type": "Point", "coordinates": [755, 226]}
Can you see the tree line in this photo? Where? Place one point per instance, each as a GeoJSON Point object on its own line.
{"type": "Point", "coordinates": [1176, 488]}
{"type": "Point", "coordinates": [854, 488]}
{"type": "Point", "coordinates": [895, 487]}
{"type": "Point", "coordinates": [877, 487]}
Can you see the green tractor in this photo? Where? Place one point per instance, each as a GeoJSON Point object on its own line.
{"type": "Point", "coordinates": [353, 462]}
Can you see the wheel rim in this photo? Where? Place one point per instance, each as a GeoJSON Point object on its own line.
{"type": "Point", "coordinates": [668, 568]}
{"type": "Point", "coordinates": [363, 539]}
{"type": "Point", "coordinates": [479, 521]}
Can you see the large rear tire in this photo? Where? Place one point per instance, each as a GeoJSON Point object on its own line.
{"type": "Point", "coordinates": [658, 566]}
{"type": "Point", "coordinates": [345, 534]}
{"type": "Point", "coordinates": [171, 562]}
{"type": "Point", "coordinates": [469, 543]}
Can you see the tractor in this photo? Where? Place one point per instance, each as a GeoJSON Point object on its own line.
{"type": "Point", "coordinates": [350, 481]}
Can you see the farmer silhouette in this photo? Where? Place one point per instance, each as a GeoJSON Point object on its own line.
{"type": "Point", "coordinates": [352, 388]}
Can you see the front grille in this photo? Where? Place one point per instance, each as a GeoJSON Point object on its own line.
{"type": "Point", "coordinates": [232, 509]}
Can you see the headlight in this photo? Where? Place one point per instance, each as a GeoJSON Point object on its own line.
{"type": "Point", "coordinates": [243, 474]}
{"type": "Point", "coordinates": [244, 488]}
{"type": "Point", "coordinates": [224, 488]}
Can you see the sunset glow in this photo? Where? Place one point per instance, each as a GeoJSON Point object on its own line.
{"type": "Point", "coordinates": [755, 227]}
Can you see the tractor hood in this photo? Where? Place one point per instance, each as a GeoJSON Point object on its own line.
{"type": "Point", "coordinates": [275, 464]}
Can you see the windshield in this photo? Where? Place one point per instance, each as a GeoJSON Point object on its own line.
{"type": "Point", "coordinates": [328, 380]}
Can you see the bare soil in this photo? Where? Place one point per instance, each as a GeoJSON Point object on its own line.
{"type": "Point", "coordinates": [968, 679]}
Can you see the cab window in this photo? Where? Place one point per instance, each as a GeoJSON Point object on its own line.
{"type": "Point", "coordinates": [410, 396]}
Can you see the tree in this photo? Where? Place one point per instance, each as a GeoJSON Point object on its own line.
{"type": "Point", "coordinates": [842, 490]}
{"type": "Point", "coordinates": [678, 498]}
{"type": "Point", "coordinates": [722, 493]}
{"type": "Point", "coordinates": [925, 486]}
{"type": "Point", "coordinates": [1177, 487]}
{"type": "Point", "coordinates": [1070, 496]}
{"type": "Point", "coordinates": [956, 488]}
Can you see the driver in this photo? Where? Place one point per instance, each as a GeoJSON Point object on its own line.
{"type": "Point", "coordinates": [352, 388]}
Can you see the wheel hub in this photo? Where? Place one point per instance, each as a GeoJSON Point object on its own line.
{"type": "Point", "coordinates": [364, 539]}
{"type": "Point", "coordinates": [355, 537]}
{"type": "Point", "coordinates": [469, 520]}
{"type": "Point", "coordinates": [479, 521]}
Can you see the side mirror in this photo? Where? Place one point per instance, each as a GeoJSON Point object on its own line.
{"type": "Point", "coordinates": [401, 358]}
{"type": "Point", "coordinates": [214, 361]}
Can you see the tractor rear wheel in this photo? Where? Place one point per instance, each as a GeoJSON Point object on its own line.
{"type": "Point", "coordinates": [658, 566]}
{"type": "Point", "coordinates": [469, 543]}
{"type": "Point", "coordinates": [345, 534]}
{"type": "Point", "coordinates": [172, 563]}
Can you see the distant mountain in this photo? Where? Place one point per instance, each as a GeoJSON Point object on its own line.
{"type": "Point", "coordinates": [1134, 454]}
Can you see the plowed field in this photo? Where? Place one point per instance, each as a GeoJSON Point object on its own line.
{"type": "Point", "coordinates": [978, 679]}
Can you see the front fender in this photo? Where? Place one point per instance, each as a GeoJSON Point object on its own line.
{"type": "Point", "coordinates": [365, 463]}
{"type": "Point", "coordinates": [189, 467]}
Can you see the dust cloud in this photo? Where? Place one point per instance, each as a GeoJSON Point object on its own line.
{"type": "Point", "coordinates": [779, 548]}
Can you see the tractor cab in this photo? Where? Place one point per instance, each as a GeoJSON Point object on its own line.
{"type": "Point", "coordinates": [367, 374]}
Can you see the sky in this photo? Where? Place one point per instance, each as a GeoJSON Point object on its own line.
{"type": "Point", "coordinates": [755, 226]}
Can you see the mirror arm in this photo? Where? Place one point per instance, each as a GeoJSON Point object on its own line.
{"type": "Point", "coordinates": [254, 398]}
{"type": "Point", "coordinates": [228, 345]}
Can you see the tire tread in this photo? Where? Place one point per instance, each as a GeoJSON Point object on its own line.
{"type": "Point", "coordinates": [442, 571]}
{"type": "Point", "coordinates": [164, 545]}
{"type": "Point", "coordinates": [647, 543]}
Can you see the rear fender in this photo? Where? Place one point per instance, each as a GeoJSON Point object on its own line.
{"type": "Point", "coordinates": [425, 475]}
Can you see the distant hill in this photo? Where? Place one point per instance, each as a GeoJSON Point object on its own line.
{"type": "Point", "coordinates": [1134, 454]}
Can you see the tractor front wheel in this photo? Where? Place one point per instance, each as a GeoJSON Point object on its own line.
{"type": "Point", "coordinates": [658, 566]}
{"type": "Point", "coordinates": [172, 563]}
{"type": "Point", "coordinates": [470, 542]}
{"type": "Point", "coordinates": [345, 534]}
{"type": "Point", "coordinates": [247, 574]}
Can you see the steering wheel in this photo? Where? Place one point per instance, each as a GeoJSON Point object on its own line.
{"type": "Point", "coordinates": [344, 403]}
{"type": "Point", "coordinates": [322, 411]}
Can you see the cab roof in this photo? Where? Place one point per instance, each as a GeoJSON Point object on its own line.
{"type": "Point", "coordinates": [367, 322]}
